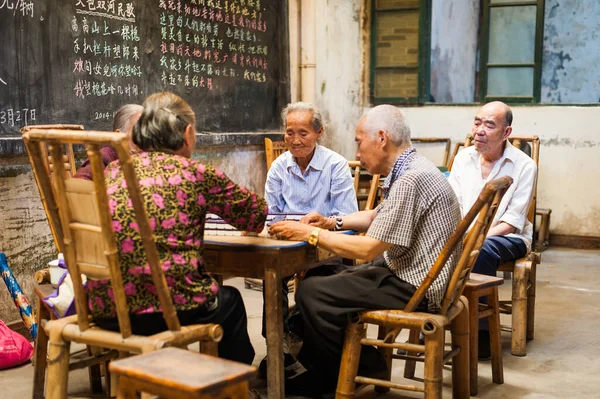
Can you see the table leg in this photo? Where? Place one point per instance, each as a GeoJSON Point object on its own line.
{"type": "Point", "coordinates": [274, 322]}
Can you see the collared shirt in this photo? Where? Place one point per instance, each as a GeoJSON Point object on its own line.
{"type": "Point", "coordinates": [177, 192]}
{"type": "Point", "coordinates": [326, 186]}
{"type": "Point", "coordinates": [419, 215]}
{"type": "Point", "coordinates": [467, 182]}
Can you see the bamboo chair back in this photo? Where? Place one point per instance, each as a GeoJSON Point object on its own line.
{"type": "Point", "coordinates": [455, 151]}
{"type": "Point", "coordinates": [445, 140]}
{"type": "Point", "coordinates": [88, 240]}
{"type": "Point", "coordinates": [517, 141]}
{"type": "Point", "coordinates": [68, 161]}
{"type": "Point", "coordinates": [483, 210]}
{"type": "Point", "coordinates": [372, 195]}
{"type": "Point", "coordinates": [273, 149]}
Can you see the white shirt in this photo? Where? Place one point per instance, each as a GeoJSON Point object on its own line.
{"type": "Point", "coordinates": [467, 182]}
{"type": "Point", "coordinates": [326, 186]}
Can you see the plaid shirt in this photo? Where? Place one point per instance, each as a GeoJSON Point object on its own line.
{"type": "Point", "coordinates": [418, 216]}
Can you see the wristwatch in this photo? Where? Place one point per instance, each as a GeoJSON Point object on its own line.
{"type": "Point", "coordinates": [338, 223]}
{"type": "Point", "coordinates": [313, 238]}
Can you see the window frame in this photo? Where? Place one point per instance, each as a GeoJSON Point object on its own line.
{"type": "Point", "coordinates": [537, 59]}
{"type": "Point", "coordinates": [424, 56]}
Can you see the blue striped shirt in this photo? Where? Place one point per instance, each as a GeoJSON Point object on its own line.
{"type": "Point", "coordinates": [325, 187]}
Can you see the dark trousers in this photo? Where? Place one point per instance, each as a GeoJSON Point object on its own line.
{"type": "Point", "coordinates": [230, 314]}
{"type": "Point", "coordinates": [495, 251]}
{"type": "Point", "coordinates": [328, 304]}
{"type": "Point", "coordinates": [323, 270]}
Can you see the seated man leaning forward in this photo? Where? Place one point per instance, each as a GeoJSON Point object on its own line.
{"type": "Point", "coordinates": [308, 177]}
{"type": "Point", "coordinates": [124, 120]}
{"type": "Point", "coordinates": [409, 229]}
{"type": "Point", "coordinates": [177, 192]}
{"type": "Point", "coordinates": [492, 156]}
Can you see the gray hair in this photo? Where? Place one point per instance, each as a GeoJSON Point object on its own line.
{"type": "Point", "coordinates": [122, 120]}
{"type": "Point", "coordinates": [389, 119]}
{"type": "Point", "coordinates": [317, 118]}
{"type": "Point", "coordinates": [163, 122]}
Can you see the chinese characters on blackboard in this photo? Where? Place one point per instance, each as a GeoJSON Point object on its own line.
{"type": "Point", "coordinates": [207, 42]}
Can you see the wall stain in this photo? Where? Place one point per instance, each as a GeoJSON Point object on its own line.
{"type": "Point", "coordinates": [567, 142]}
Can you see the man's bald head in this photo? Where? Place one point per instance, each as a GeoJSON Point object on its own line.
{"type": "Point", "coordinates": [500, 109]}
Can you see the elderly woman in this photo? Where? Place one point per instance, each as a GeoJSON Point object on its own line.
{"type": "Point", "coordinates": [308, 177]}
{"type": "Point", "coordinates": [178, 192]}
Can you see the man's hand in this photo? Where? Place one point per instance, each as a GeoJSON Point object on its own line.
{"type": "Point", "coordinates": [290, 230]}
{"type": "Point", "coordinates": [317, 220]}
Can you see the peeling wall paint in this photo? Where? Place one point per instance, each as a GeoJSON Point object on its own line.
{"type": "Point", "coordinates": [24, 233]}
{"type": "Point", "coordinates": [339, 71]}
{"type": "Point", "coordinates": [571, 55]}
{"type": "Point", "coordinates": [454, 26]}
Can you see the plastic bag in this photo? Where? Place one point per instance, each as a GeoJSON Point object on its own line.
{"type": "Point", "coordinates": [14, 348]}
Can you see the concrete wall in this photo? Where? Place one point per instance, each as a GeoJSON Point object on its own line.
{"type": "Point", "coordinates": [570, 72]}
{"type": "Point", "coordinates": [569, 162]}
{"type": "Point", "coordinates": [454, 50]}
{"type": "Point", "coordinates": [24, 233]}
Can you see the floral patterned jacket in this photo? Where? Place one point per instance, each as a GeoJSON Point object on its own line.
{"type": "Point", "coordinates": [177, 192]}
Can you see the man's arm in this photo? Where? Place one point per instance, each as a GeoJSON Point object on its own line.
{"type": "Point", "coordinates": [344, 245]}
{"type": "Point", "coordinates": [357, 221]}
{"type": "Point", "coordinates": [501, 229]}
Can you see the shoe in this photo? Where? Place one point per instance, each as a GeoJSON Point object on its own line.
{"type": "Point", "coordinates": [291, 367]}
{"type": "Point", "coordinates": [306, 384]}
{"type": "Point", "coordinates": [483, 348]}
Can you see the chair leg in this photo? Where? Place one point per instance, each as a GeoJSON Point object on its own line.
{"type": "Point", "coordinates": [346, 387]}
{"type": "Point", "coordinates": [434, 353]}
{"type": "Point", "coordinates": [58, 365]}
{"type": "Point", "coordinates": [41, 352]}
{"type": "Point", "coordinates": [409, 365]}
{"type": "Point", "coordinates": [473, 299]}
{"type": "Point", "coordinates": [519, 309]}
{"type": "Point", "coordinates": [461, 362]}
{"type": "Point", "coordinates": [495, 343]}
{"type": "Point", "coordinates": [387, 356]}
{"type": "Point", "coordinates": [531, 299]}
{"type": "Point", "coordinates": [94, 372]}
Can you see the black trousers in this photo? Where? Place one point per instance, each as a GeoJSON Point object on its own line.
{"type": "Point", "coordinates": [328, 304]}
{"type": "Point", "coordinates": [495, 251]}
{"type": "Point", "coordinates": [230, 314]}
{"type": "Point", "coordinates": [323, 270]}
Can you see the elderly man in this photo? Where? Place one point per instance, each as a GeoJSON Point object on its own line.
{"type": "Point", "coordinates": [490, 157]}
{"type": "Point", "coordinates": [124, 120]}
{"type": "Point", "coordinates": [409, 229]}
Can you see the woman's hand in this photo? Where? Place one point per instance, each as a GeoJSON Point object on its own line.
{"type": "Point", "coordinates": [290, 230]}
{"type": "Point", "coordinates": [317, 220]}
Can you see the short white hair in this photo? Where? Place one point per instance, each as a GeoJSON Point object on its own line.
{"type": "Point", "coordinates": [389, 119]}
{"type": "Point", "coordinates": [317, 118]}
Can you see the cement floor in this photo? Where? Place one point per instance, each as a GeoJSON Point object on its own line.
{"type": "Point", "coordinates": [561, 362]}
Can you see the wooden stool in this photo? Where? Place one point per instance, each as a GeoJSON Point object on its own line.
{"type": "Point", "coordinates": [177, 374]}
{"type": "Point", "coordinates": [480, 285]}
{"type": "Point", "coordinates": [544, 233]}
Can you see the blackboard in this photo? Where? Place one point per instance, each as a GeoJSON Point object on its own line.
{"type": "Point", "coordinates": [77, 61]}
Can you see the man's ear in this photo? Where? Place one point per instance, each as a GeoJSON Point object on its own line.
{"type": "Point", "coordinates": [382, 137]}
{"type": "Point", "coordinates": [507, 132]}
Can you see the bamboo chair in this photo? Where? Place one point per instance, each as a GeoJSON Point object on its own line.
{"type": "Point", "coordinates": [370, 198]}
{"type": "Point", "coordinates": [273, 149]}
{"type": "Point", "coordinates": [522, 303]}
{"type": "Point", "coordinates": [436, 140]}
{"type": "Point", "coordinates": [68, 160]}
{"type": "Point", "coordinates": [454, 314]}
{"type": "Point", "coordinates": [455, 151]}
{"type": "Point", "coordinates": [90, 248]}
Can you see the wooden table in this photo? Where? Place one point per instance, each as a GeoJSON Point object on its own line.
{"type": "Point", "coordinates": [270, 260]}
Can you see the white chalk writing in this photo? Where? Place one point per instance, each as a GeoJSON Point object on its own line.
{"type": "Point", "coordinates": [17, 117]}
{"type": "Point", "coordinates": [2, 81]}
{"type": "Point", "coordinates": [22, 7]}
